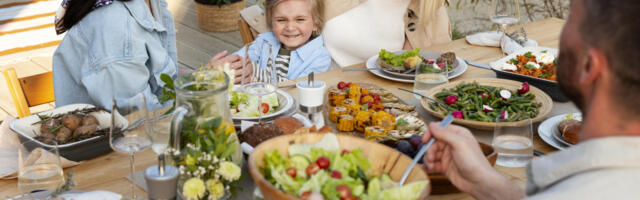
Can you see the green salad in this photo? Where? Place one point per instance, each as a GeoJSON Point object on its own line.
{"type": "Point", "coordinates": [323, 168]}
{"type": "Point", "coordinates": [397, 60]}
{"type": "Point", "coordinates": [246, 105]}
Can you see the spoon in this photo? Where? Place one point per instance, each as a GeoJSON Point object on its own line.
{"type": "Point", "coordinates": [445, 122]}
{"type": "Point", "coordinates": [423, 96]}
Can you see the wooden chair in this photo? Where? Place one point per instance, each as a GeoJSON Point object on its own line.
{"type": "Point", "coordinates": [29, 91]}
{"type": "Point", "coordinates": [246, 32]}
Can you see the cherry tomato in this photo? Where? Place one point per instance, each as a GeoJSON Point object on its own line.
{"type": "Point", "coordinates": [312, 169]}
{"type": "Point", "coordinates": [344, 151]}
{"type": "Point", "coordinates": [343, 190]}
{"type": "Point", "coordinates": [323, 162]}
{"type": "Point", "coordinates": [376, 96]}
{"type": "Point", "coordinates": [264, 107]}
{"type": "Point", "coordinates": [350, 198]}
{"type": "Point", "coordinates": [342, 85]}
{"type": "Point", "coordinates": [349, 84]}
{"type": "Point", "coordinates": [336, 174]}
{"type": "Point", "coordinates": [291, 172]}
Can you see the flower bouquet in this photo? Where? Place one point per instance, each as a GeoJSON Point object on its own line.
{"type": "Point", "coordinates": [206, 169]}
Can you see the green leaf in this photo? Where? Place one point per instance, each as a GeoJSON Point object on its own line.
{"type": "Point", "coordinates": [212, 124]}
{"type": "Point", "coordinates": [54, 129]}
{"type": "Point", "coordinates": [514, 61]}
{"type": "Point", "coordinates": [528, 54]}
{"type": "Point", "coordinates": [529, 66]}
{"type": "Point", "coordinates": [168, 81]}
{"type": "Point", "coordinates": [401, 122]}
{"type": "Point", "coordinates": [544, 75]}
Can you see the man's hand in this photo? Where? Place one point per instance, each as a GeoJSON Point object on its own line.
{"type": "Point", "coordinates": [458, 156]}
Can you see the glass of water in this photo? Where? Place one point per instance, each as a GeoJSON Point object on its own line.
{"type": "Point", "coordinates": [505, 13]}
{"type": "Point", "coordinates": [159, 128]}
{"type": "Point", "coordinates": [429, 74]}
{"type": "Point", "coordinates": [514, 143]}
{"type": "Point", "coordinates": [38, 168]}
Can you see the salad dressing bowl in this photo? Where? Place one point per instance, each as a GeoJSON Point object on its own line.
{"type": "Point", "coordinates": [382, 158]}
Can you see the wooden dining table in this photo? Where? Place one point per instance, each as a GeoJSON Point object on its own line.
{"type": "Point", "coordinates": [108, 172]}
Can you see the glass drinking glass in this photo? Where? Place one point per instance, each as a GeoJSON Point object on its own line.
{"type": "Point", "coordinates": [513, 142]}
{"type": "Point", "coordinates": [505, 13]}
{"type": "Point", "coordinates": [429, 74]}
{"type": "Point", "coordinates": [38, 168]}
{"type": "Point", "coordinates": [159, 128]}
{"type": "Point", "coordinates": [265, 83]}
{"type": "Point", "coordinates": [129, 119]}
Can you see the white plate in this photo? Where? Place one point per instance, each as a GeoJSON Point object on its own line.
{"type": "Point", "coordinates": [287, 102]}
{"type": "Point", "coordinates": [26, 127]}
{"type": "Point", "coordinates": [372, 63]}
{"type": "Point", "coordinates": [549, 127]}
{"type": "Point", "coordinates": [497, 65]}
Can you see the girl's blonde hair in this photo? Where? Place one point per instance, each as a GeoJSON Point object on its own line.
{"type": "Point", "coordinates": [428, 9]}
{"type": "Point", "coordinates": [316, 9]}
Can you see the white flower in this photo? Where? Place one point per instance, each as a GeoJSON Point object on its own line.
{"type": "Point", "coordinates": [229, 171]}
{"type": "Point", "coordinates": [193, 188]}
{"type": "Point", "coordinates": [215, 188]}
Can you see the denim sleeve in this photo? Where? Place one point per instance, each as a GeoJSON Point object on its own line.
{"type": "Point", "coordinates": [120, 80]}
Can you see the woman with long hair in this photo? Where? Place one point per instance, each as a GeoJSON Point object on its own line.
{"type": "Point", "coordinates": [113, 49]}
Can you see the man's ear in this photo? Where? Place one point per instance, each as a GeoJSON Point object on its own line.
{"type": "Point", "coordinates": [596, 62]}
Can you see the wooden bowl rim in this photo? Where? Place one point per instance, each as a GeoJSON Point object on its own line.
{"type": "Point", "coordinates": [542, 97]}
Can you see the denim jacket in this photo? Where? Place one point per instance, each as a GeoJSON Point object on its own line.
{"type": "Point", "coordinates": [310, 57]}
{"type": "Point", "coordinates": [116, 51]}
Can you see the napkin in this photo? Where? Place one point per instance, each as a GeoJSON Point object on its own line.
{"type": "Point", "coordinates": [495, 39]}
{"type": "Point", "coordinates": [9, 144]}
{"type": "Point", "coordinates": [93, 195]}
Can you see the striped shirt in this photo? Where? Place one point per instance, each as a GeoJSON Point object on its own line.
{"type": "Point", "coordinates": [281, 65]}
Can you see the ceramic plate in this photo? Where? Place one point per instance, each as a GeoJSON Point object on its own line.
{"type": "Point", "coordinates": [549, 128]}
{"type": "Point", "coordinates": [287, 103]}
{"type": "Point", "coordinates": [372, 63]}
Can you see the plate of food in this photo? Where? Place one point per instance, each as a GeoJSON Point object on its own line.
{"type": "Point", "coordinates": [400, 65]}
{"type": "Point", "coordinates": [371, 112]}
{"type": "Point", "coordinates": [536, 65]}
{"type": "Point", "coordinates": [244, 106]}
{"type": "Point", "coordinates": [333, 166]}
{"type": "Point", "coordinates": [81, 131]}
{"type": "Point", "coordinates": [561, 131]}
{"type": "Point", "coordinates": [479, 103]}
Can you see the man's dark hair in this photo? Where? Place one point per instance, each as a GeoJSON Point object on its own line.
{"type": "Point", "coordinates": [76, 10]}
{"type": "Point", "coordinates": [614, 27]}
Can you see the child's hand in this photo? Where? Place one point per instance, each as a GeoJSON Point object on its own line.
{"type": "Point", "coordinates": [248, 72]}
{"type": "Point", "coordinates": [221, 58]}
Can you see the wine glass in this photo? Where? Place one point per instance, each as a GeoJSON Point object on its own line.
{"type": "Point", "coordinates": [505, 13]}
{"type": "Point", "coordinates": [265, 80]}
{"type": "Point", "coordinates": [429, 75]}
{"type": "Point", "coordinates": [513, 142]}
{"type": "Point", "coordinates": [129, 132]}
{"type": "Point", "coordinates": [38, 168]}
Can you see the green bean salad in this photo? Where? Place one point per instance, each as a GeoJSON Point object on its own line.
{"type": "Point", "coordinates": [476, 102]}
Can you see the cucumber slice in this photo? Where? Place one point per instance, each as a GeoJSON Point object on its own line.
{"type": "Point", "coordinates": [374, 187]}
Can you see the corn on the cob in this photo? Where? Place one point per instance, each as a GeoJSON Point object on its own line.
{"type": "Point", "coordinates": [336, 97]}
{"type": "Point", "coordinates": [337, 111]}
{"type": "Point", "coordinates": [384, 120]}
{"type": "Point", "coordinates": [363, 119]}
{"type": "Point", "coordinates": [372, 131]}
{"type": "Point", "coordinates": [345, 123]}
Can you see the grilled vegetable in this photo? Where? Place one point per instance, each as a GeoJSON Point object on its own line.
{"type": "Point", "coordinates": [336, 97]}
{"type": "Point", "coordinates": [363, 119]}
{"type": "Point", "coordinates": [337, 111]}
{"type": "Point", "coordinates": [345, 123]}
{"type": "Point", "coordinates": [372, 131]}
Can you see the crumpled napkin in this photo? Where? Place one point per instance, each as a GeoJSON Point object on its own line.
{"type": "Point", "coordinates": [495, 39]}
{"type": "Point", "coordinates": [9, 144]}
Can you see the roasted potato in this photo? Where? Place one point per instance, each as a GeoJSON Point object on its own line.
{"type": "Point", "coordinates": [71, 121]}
{"type": "Point", "coordinates": [86, 129]}
{"type": "Point", "coordinates": [63, 134]}
{"type": "Point", "coordinates": [48, 125]}
{"type": "Point", "coordinates": [89, 119]}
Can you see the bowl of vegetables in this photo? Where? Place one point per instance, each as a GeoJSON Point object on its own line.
{"type": "Point", "coordinates": [479, 103]}
{"type": "Point", "coordinates": [333, 166]}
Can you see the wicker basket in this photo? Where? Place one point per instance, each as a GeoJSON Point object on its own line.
{"type": "Point", "coordinates": [219, 19]}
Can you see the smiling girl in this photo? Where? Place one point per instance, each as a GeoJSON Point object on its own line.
{"type": "Point", "coordinates": [295, 41]}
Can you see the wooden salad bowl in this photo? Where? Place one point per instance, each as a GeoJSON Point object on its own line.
{"type": "Point", "coordinates": [541, 97]}
{"type": "Point", "coordinates": [383, 160]}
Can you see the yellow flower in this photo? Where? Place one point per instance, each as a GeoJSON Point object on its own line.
{"type": "Point", "coordinates": [193, 188]}
{"type": "Point", "coordinates": [190, 160]}
{"type": "Point", "coordinates": [229, 171]}
{"type": "Point", "coordinates": [216, 189]}
{"type": "Point", "coordinates": [201, 131]}
{"type": "Point", "coordinates": [228, 129]}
